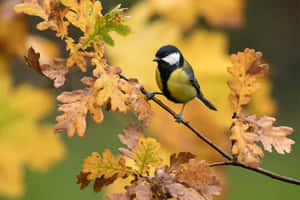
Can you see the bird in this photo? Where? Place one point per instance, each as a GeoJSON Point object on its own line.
{"type": "Point", "coordinates": [176, 80]}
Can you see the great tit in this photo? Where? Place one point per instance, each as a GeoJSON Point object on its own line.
{"type": "Point", "coordinates": [175, 78]}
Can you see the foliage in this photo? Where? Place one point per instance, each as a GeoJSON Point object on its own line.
{"type": "Point", "coordinates": [105, 87]}
{"type": "Point", "coordinates": [151, 178]}
{"type": "Point", "coordinates": [193, 181]}
{"type": "Point", "coordinates": [248, 130]}
{"type": "Point", "coordinates": [36, 148]}
{"type": "Point", "coordinates": [25, 142]}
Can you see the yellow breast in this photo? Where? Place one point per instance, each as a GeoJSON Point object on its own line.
{"type": "Point", "coordinates": [180, 86]}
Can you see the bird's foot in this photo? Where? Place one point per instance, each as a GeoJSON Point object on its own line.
{"type": "Point", "coordinates": [178, 118]}
{"type": "Point", "coordinates": [150, 95]}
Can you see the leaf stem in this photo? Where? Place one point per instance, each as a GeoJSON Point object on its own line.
{"type": "Point", "coordinates": [229, 157]}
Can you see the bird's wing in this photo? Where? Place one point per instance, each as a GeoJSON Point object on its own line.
{"type": "Point", "coordinates": [189, 71]}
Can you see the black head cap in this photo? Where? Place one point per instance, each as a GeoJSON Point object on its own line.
{"type": "Point", "coordinates": [167, 50]}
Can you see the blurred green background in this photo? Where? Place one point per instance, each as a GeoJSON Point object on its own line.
{"type": "Point", "coordinates": [272, 26]}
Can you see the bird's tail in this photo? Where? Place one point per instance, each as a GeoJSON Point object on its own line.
{"type": "Point", "coordinates": [203, 100]}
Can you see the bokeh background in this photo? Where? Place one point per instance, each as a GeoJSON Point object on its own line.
{"type": "Point", "coordinates": [34, 164]}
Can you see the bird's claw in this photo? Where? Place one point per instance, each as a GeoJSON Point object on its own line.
{"type": "Point", "coordinates": [150, 95]}
{"type": "Point", "coordinates": [178, 118]}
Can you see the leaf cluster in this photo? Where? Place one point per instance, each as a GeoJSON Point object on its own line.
{"type": "Point", "coordinates": [184, 178]}
{"type": "Point", "coordinates": [247, 130]}
{"type": "Point", "coordinates": [105, 87]}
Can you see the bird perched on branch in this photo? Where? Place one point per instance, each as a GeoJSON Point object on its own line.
{"type": "Point", "coordinates": [175, 78]}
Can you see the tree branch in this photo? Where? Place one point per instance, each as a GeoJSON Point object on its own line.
{"type": "Point", "coordinates": [230, 159]}
{"type": "Point", "coordinates": [258, 170]}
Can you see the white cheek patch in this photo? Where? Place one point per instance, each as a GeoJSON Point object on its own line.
{"type": "Point", "coordinates": [172, 59]}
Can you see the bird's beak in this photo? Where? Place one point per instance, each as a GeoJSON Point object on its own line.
{"type": "Point", "coordinates": [155, 59]}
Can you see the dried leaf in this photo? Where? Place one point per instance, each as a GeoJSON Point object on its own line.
{"type": "Point", "coordinates": [102, 181]}
{"type": "Point", "coordinates": [148, 155]}
{"type": "Point", "coordinates": [274, 136]}
{"type": "Point", "coordinates": [117, 197]}
{"type": "Point", "coordinates": [199, 176]}
{"type": "Point", "coordinates": [56, 72]}
{"type": "Point", "coordinates": [143, 191]}
{"type": "Point", "coordinates": [82, 179]}
{"type": "Point", "coordinates": [244, 144]}
{"type": "Point", "coordinates": [176, 190]}
{"type": "Point", "coordinates": [142, 107]}
{"type": "Point", "coordinates": [131, 136]}
{"type": "Point", "coordinates": [75, 111]}
{"type": "Point", "coordinates": [191, 194]}
{"type": "Point", "coordinates": [246, 67]}
{"type": "Point", "coordinates": [181, 158]}
{"type": "Point", "coordinates": [55, 21]}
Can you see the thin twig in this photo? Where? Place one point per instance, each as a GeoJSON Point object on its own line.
{"type": "Point", "coordinates": [230, 159]}
{"type": "Point", "coordinates": [258, 170]}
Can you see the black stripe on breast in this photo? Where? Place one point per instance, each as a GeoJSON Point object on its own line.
{"type": "Point", "coordinates": [165, 72]}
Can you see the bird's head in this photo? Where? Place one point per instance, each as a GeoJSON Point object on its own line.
{"type": "Point", "coordinates": [169, 54]}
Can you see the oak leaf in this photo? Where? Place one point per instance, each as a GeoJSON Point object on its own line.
{"type": "Point", "coordinates": [82, 179]}
{"type": "Point", "coordinates": [112, 90]}
{"type": "Point", "coordinates": [55, 21]}
{"type": "Point", "coordinates": [107, 166]}
{"type": "Point", "coordinates": [147, 155]}
{"type": "Point", "coordinates": [244, 146]}
{"type": "Point", "coordinates": [117, 197]}
{"type": "Point", "coordinates": [75, 111]}
{"type": "Point", "coordinates": [76, 56]}
{"type": "Point", "coordinates": [179, 159]}
{"type": "Point", "coordinates": [56, 72]}
{"type": "Point", "coordinates": [246, 67]}
{"type": "Point", "coordinates": [142, 107]}
{"type": "Point", "coordinates": [199, 176]}
{"type": "Point", "coordinates": [35, 7]}
{"type": "Point", "coordinates": [131, 136]}
{"type": "Point", "coordinates": [274, 136]}
{"type": "Point", "coordinates": [143, 191]}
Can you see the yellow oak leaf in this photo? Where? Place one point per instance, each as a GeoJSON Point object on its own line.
{"type": "Point", "coordinates": [107, 166]}
{"type": "Point", "coordinates": [112, 90]}
{"type": "Point", "coordinates": [55, 21]}
{"type": "Point", "coordinates": [147, 155]}
{"type": "Point", "coordinates": [246, 67]}
{"type": "Point", "coordinates": [76, 56]}
{"type": "Point", "coordinates": [35, 7]}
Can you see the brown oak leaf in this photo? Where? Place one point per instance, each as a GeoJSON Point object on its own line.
{"type": "Point", "coordinates": [82, 179]}
{"type": "Point", "coordinates": [131, 136]}
{"type": "Point", "coordinates": [117, 197]}
{"type": "Point", "coordinates": [143, 191]}
{"type": "Point", "coordinates": [179, 159]}
{"type": "Point", "coordinates": [274, 136]}
{"type": "Point", "coordinates": [142, 107]}
{"type": "Point", "coordinates": [244, 146]}
{"type": "Point", "coordinates": [75, 111]}
{"type": "Point", "coordinates": [199, 176]}
{"type": "Point", "coordinates": [56, 72]}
